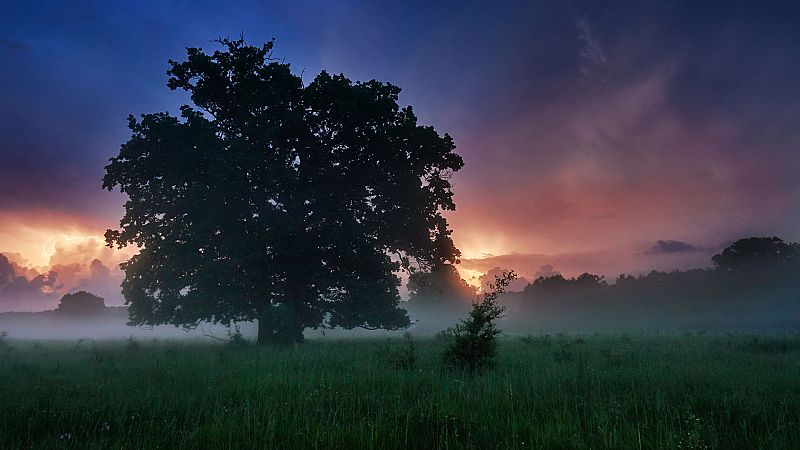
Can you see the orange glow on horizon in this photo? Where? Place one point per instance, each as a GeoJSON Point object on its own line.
{"type": "Point", "coordinates": [477, 245]}
{"type": "Point", "coordinates": [470, 276]}
{"type": "Point", "coordinates": [39, 240]}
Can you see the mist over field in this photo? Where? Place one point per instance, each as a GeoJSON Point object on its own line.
{"type": "Point", "coordinates": [700, 300]}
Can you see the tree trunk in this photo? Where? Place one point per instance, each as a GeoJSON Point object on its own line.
{"type": "Point", "coordinates": [279, 325]}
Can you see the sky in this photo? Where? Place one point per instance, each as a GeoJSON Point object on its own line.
{"type": "Point", "coordinates": [603, 138]}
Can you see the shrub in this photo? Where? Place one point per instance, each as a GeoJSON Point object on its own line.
{"type": "Point", "coordinates": [473, 342]}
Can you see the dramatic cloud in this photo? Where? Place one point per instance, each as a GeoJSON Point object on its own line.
{"type": "Point", "coordinates": [662, 247]}
{"type": "Point", "coordinates": [6, 271]}
{"type": "Point", "coordinates": [75, 263]}
{"type": "Point", "coordinates": [17, 292]}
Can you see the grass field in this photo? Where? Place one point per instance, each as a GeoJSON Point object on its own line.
{"type": "Point", "coordinates": [545, 392]}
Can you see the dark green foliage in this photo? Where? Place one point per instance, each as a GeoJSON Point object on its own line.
{"type": "Point", "coordinates": [557, 282]}
{"type": "Point", "coordinates": [758, 254]}
{"type": "Point", "coordinates": [81, 303]}
{"type": "Point", "coordinates": [276, 200]}
{"type": "Point", "coordinates": [473, 343]}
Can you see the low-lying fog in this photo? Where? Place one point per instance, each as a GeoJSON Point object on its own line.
{"type": "Point", "coordinates": [767, 314]}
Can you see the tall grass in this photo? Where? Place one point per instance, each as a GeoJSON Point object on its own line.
{"type": "Point", "coordinates": [544, 392]}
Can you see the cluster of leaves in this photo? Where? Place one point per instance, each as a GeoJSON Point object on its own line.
{"type": "Point", "coordinates": [758, 253]}
{"type": "Point", "coordinates": [473, 341]}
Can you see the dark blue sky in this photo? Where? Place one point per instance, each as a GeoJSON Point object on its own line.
{"type": "Point", "coordinates": [585, 127]}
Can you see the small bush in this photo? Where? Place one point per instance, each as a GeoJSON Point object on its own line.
{"type": "Point", "coordinates": [473, 343]}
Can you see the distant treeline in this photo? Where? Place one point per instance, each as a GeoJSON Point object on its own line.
{"type": "Point", "coordinates": [752, 285]}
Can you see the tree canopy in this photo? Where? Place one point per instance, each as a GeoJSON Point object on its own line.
{"type": "Point", "coordinates": [274, 200]}
{"type": "Point", "coordinates": [757, 253]}
{"type": "Point", "coordinates": [440, 287]}
{"type": "Point", "coordinates": [81, 303]}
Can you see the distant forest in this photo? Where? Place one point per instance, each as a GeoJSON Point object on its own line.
{"type": "Point", "coordinates": [753, 285]}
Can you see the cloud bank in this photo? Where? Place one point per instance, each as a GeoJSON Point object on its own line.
{"type": "Point", "coordinates": [75, 264]}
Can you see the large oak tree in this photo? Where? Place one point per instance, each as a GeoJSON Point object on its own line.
{"type": "Point", "coordinates": [273, 200]}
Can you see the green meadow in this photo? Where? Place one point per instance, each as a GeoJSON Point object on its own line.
{"type": "Point", "coordinates": [550, 392]}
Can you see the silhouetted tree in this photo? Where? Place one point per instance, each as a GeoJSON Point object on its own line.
{"type": "Point", "coordinates": [587, 280]}
{"type": "Point", "coordinates": [557, 283]}
{"type": "Point", "coordinates": [441, 286]}
{"type": "Point", "coordinates": [757, 253]}
{"type": "Point", "coordinates": [81, 303]}
{"type": "Point", "coordinates": [755, 284]}
{"type": "Point", "coordinates": [551, 282]}
{"type": "Point", "coordinates": [288, 203]}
